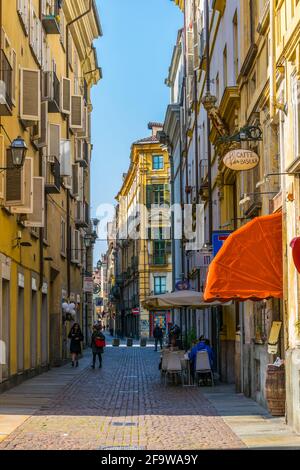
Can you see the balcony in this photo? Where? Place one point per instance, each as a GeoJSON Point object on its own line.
{"type": "Point", "coordinates": [50, 17]}
{"type": "Point", "coordinates": [51, 91]}
{"type": "Point", "coordinates": [52, 180]}
{"type": "Point", "coordinates": [5, 86]}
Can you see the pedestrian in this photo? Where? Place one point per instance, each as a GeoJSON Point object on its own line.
{"type": "Point", "coordinates": [97, 345]}
{"type": "Point", "coordinates": [158, 335]}
{"type": "Point", "coordinates": [76, 337]}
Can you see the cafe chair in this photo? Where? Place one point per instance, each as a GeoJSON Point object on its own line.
{"type": "Point", "coordinates": [203, 366]}
{"type": "Point", "coordinates": [173, 367]}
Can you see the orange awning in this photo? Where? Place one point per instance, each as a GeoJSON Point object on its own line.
{"type": "Point", "coordinates": [249, 264]}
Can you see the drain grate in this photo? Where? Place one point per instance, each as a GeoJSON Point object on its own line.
{"type": "Point", "coordinates": [121, 448]}
{"type": "Point", "coordinates": [129, 423]}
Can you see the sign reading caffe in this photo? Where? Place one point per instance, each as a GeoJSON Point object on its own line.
{"type": "Point", "coordinates": [241, 160]}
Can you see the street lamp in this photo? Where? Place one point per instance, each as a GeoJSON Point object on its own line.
{"type": "Point", "coordinates": [18, 152]}
{"type": "Point", "coordinates": [99, 265]}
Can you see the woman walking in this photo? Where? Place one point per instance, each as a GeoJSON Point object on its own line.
{"type": "Point", "coordinates": [97, 345]}
{"type": "Point", "coordinates": [76, 337]}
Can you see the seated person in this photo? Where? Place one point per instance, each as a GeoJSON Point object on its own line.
{"type": "Point", "coordinates": [202, 345]}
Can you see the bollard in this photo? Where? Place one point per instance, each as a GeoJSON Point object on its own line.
{"type": "Point", "coordinates": [129, 342]}
{"type": "Point", "coordinates": [116, 342]}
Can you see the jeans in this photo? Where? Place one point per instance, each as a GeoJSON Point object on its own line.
{"type": "Point", "coordinates": [160, 340]}
{"type": "Point", "coordinates": [94, 358]}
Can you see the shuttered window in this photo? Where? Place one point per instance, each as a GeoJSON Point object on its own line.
{"type": "Point", "coordinates": [66, 95]}
{"type": "Point", "coordinates": [27, 207]}
{"type": "Point", "coordinates": [76, 111]}
{"type": "Point", "coordinates": [14, 183]}
{"type": "Point", "coordinates": [54, 141]}
{"type": "Point", "coordinates": [30, 94]}
{"type": "Point", "coordinates": [37, 218]}
{"type": "Point", "coordinates": [65, 158]}
{"type": "Point", "coordinates": [75, 185]}
{"type": "Point", "coordinates": [43, 141]}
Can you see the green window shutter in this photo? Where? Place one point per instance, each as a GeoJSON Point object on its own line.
{"type": "Point", "coordinates": [149, 190]}
{"type": "Point", "coordinates": [167, 194]}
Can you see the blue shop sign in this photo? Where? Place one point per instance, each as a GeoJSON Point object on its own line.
{"type": "Point", "coordinates": [218, 238]}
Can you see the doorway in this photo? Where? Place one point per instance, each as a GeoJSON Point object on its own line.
{"type": "Point", "coordinates": [33, 329]}
{"type": "Point", "coordinates": [20, 329]}
{"type": "Point", "coordinates": [5, 330]}
{"type": "Point", "coordinates": [44, 330]}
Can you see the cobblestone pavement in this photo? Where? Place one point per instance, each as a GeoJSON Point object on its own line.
{"type": "Point", "coordinates": [124, 404]}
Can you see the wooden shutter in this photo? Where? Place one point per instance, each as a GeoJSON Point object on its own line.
{"type": "Point", "coordinates": [75, 185]}
{"type": "Point", "coordinates": [27, 208]}
{"type": "Point", "coordinates": [84, 133]}
{"type": "Point", "coordinates": [37, 218]}
{"type": "Point", "coordinates": [76, 111]}
{"type": "Point", "coordinates": [30, 94]}
{"type": "Point", "coordinates": [78, 150]}
{"type": "Point", "coordinates": [43, 141]}
{"type": "Point", "coordinates": [14, 183]}
{"type": "Point", "coordinates": [2, 165]}
{"type": "Point", "coordinates": [54, 141]}
{"type": "Point", "coordinates": [66, 95]}
{"type": "Point", "coordinates": [80, 183]}
{"type": "Point", "coordinates": [196, 45]}
{"type": "Point", "coordinates": [65, 158]}
{"type": "Point", "coordinates": [70, 49]}
{"type": "Point", "coordinates": [167, 198]}
{"type": "Point", "coordinates": [13, 78]}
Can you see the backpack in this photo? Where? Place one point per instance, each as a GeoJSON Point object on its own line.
{"type": "Point", "coordinates": [99, 342]}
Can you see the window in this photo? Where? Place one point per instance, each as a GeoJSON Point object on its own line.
{"type": "Point", "coordinates": [235, 46]}
{"type": "Point", "coordinates": [160, 285]}
{"type": "Point", "coordinates": [157, 162]}
{"type": "Point", "coordinates": [225, 72]}
{"type": "Point", "coordinates": [63, 237]}
{"type": "Point", "coordinates": [158, 194]}
{"type": "Point", "coordinates": [296, 115]}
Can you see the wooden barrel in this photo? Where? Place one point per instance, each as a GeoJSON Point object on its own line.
{"type": "Point", "coordinates": [275, 390]}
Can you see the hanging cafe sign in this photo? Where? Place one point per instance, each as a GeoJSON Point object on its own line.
{"type": "Point", "coordinates": [241, 160]}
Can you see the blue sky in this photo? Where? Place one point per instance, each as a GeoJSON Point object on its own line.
{"type": "Point", "coordinates": [134, 53]}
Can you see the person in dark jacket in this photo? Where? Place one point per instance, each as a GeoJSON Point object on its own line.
{"type": "Point", "coordinates": [158, 335]}
{"type": "Point", "coordinates": [76, 337]}
{"type": "Point", "coordinates": [97, 350]}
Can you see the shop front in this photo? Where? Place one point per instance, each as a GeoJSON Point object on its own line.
{"type": "Point", "coordinates": [161, 318]}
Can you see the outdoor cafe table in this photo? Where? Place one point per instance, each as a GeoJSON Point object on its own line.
{"type": "Point", "coordinates": [185, 364]}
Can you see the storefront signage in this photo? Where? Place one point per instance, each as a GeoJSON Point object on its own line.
{"type": "Point", "coordinates": [241, 160]}
{"type": "Point", "coordinates": [88, 284]}
{"type": "Point", "coordinates": [182, 285]}
{"type": "Point", "coordinates": [218, 239]}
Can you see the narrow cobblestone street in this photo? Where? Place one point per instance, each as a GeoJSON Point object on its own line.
{"type": "Point", "coordinates": [122, 405]}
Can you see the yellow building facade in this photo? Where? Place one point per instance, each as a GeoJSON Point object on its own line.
{"type": "Point", "coordinates": [144, 240]}
{"type": "Point", "coordinates": [48, 66]}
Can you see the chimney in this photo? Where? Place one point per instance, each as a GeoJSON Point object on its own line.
{"type": "Point", "coordinates": [155, 127]}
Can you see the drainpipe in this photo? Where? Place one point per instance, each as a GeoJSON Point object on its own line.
{"type": "Point", "coordinates": [210, 207]}
{"type": "Point", "coordinates": [69, 247]}
{"type": "Point", "coordinates": [272, 60]}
